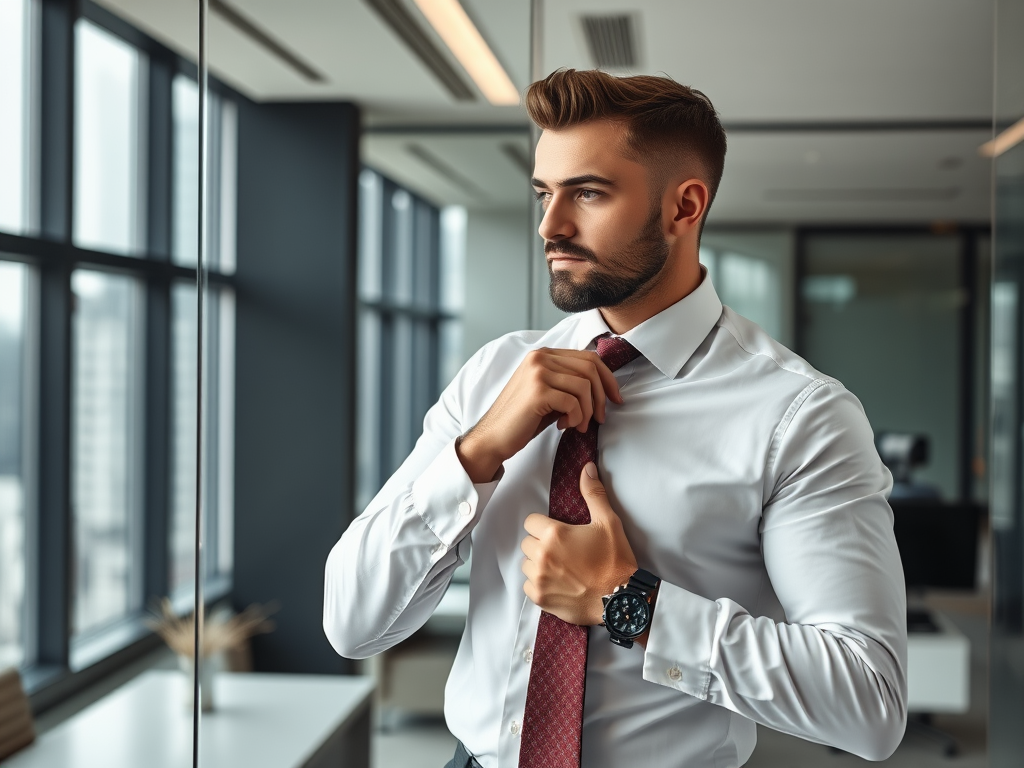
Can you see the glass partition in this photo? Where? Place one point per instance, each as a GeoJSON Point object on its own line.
{"type": "Point", "coordinates": [1006, 740]}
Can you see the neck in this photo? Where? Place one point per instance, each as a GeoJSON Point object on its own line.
{"type": "Point", "coordinates": [678, 280]}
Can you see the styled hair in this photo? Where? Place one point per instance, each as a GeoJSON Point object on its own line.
{"type": "Point", "coordinates": [668, 125]}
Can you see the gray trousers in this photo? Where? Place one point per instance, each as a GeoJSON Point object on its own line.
{"type": "Point", "coordinates": [462, 758]}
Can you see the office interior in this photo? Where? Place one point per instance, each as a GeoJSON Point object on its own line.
{"type": "Point", "coordinates": [237, 288]}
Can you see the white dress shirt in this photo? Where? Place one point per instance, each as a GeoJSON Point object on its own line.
{"type": "Point", "coordinates": [745, 479]}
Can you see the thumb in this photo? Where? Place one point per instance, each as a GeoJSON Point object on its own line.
{"type": "Point", "coordinates": [595, 495]}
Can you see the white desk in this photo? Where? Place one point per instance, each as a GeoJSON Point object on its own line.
{"type": "Point", "coordinates": [261, 721]}
{"type": "Point", "coordinates": [939, 669]}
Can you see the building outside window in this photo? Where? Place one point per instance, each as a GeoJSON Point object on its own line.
{"type": "Point", "coordinates": [106, 441]}
{"type": "Point", "coordinates": [15, 485]}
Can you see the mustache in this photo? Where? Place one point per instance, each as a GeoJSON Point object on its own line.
{"type": "Point", "coordinates": [569, 249]}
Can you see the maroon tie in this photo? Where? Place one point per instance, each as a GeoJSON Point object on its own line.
{"type": "Point", "coordinates": [553, 720]}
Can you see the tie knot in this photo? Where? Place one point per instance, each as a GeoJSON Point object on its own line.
{"type": "Point", "coordinates": [616, 351]}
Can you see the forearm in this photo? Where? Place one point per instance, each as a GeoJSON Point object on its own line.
{"type": "Point", "coordinates": [392, 566]}
{"type": "Point", "coordinates": [826, 683]}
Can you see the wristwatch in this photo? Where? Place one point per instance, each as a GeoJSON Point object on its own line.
{"type": "Point", "coordinates": [627, 610]}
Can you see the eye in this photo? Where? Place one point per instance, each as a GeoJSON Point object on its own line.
{"type": "Point", "coordinates": [542, 195]}
{"type": "Point", "coordinates": [588, 194]}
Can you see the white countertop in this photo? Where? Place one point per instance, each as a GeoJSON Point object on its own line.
{"type": "Point", "coordinates": [260, 721]}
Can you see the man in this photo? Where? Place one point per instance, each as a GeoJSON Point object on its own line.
{"type": "Point", "coordinates": [654, 451]}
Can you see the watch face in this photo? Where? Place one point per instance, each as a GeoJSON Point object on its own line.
{"type": "Point", "coordinates": [627, 614]}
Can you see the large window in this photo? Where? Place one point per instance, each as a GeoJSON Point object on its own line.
{"type": "Point", "coordinates": [16, 97]}
{"type": "Point", "coordinates": [410, 288]}
{"type": "Point", "coordinates": [98, 335]}
{"type": "Point", "coordinates": [109, 199]}
{"type": "Point", "coordinates": [15, 488]}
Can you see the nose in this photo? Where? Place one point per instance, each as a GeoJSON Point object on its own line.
{"type": "Point", "coordinates": [557, 223]}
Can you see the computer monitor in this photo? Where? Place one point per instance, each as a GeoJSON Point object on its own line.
{"type": "Point", "coordinates": [938, 543]}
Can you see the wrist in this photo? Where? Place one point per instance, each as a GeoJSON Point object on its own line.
{"type": "Point", "coordinates": [481, 463]}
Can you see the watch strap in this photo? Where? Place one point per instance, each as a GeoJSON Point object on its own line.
{"type": "Point", "coordinates": [644, 580]}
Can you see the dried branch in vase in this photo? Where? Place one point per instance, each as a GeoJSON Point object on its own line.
{"type": "Point", "coordinates": [220, 632]}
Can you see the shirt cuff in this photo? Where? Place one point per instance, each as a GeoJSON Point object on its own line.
{"type": "Point", "coordinates": [447, 499]}
{"type": "Point", "coordinates": [678, 651]}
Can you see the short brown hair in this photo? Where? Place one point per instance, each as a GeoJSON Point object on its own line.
{"type": "Point", "coordinates": [665, 122]}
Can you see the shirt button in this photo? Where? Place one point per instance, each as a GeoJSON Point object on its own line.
{"type": "Point", "coordinates": [675, 674]}
{"type": "Point", "coordinates": [528, 655]}
{"type": "Point", "coordinates": [465, 509]}
{"type": "Point", "coordinates": [514, 728]}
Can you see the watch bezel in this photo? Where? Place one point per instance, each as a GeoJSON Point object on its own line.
{"type": "Point", "coordinates": [619, 593]}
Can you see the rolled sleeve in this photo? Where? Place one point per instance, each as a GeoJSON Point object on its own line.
{"type": "Point", "coordinates": [680, 644]}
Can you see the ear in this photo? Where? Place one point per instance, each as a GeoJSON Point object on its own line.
{"type": "Point", "coordinates": [690, 201]}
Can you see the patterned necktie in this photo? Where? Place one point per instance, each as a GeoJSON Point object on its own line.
{"type": "Point", "coordinates": [553, 720]}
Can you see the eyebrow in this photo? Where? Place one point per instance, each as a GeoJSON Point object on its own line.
{"type": "Point", "coordinates": [575, 181]}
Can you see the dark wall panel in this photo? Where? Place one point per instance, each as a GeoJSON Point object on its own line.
{"type": "Point", "coordinates": [297, 187]}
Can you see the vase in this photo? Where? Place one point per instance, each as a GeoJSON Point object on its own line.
{"type": "Point", "coordinates": [207, 672]}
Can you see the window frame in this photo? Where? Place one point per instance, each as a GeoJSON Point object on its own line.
{"type": "Point", "coordinates": [49, 250]}
{"type": "Point", "coordinates": [421, 312]}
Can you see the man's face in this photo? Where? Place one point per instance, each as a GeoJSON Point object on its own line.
{"type": "Point", "coordinates": [602, 227]}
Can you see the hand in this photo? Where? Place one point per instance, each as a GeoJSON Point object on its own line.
{"type": "Point", "coordinates": [569, 568]}
{"type": "Point", "coordinates": [550, 385]}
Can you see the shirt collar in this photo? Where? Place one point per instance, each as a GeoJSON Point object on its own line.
{"type": "Point", "coordinates": [670, 337]}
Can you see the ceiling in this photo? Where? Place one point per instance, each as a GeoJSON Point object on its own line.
{"type": "Point", "coordinates": [867, 111]}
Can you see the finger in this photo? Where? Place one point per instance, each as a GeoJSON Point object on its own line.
{"type": "Point", "coordinates": [577, 386]}
{"type": "Point", "coordinates": [531, 570]}
{"type": "Point", "coordinates": [611, 386]}
{"type": "Point", "coordinates": [588, 369]}
{"type": "Point", "coordinates": [595, 495]}
{"type": "Point", "coordinates": [537, 525]}
{"type": "Point", "coordinates": [566, 404]}
{"type": "Point", "coordinates": [531, 548]}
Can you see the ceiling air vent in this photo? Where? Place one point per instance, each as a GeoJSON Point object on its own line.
{"type": "Point", "coordinates": [611, 40]}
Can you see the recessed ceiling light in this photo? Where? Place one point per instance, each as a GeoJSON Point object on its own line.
{"type": "Point", "coordinates": [464, 40]}
{"type": "Point", "coordinates": [1008, 139]}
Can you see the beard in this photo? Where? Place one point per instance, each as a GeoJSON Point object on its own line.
{"type": "Point", "coordinates": [627, 274]}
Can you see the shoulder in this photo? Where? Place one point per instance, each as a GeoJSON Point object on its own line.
{"type": "Point", "coordinates": [756, 343]}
